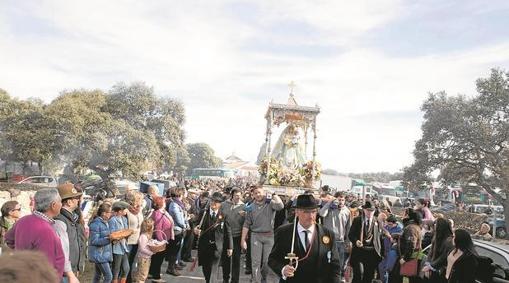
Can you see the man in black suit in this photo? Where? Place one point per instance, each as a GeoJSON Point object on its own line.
{"type": "Point", "coordinates": [366, 237]}
{"type": "Point", "coordinates": [313, 244]}
{"type": "Point", "coordinates": [214, 236]}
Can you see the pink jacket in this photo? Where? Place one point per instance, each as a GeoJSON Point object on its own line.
{"type": "Point", "coordinates": [143, 249]}
{"type": "Point", "coordinates": [428, 215]}
{"type": "Point", "coordinates": [163, 223]}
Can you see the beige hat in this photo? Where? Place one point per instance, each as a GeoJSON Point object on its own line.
{"type": "Point", "coordinates": [67, 191]}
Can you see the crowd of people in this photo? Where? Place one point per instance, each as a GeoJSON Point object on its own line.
{"type": "Point", "coordinates": [311, 237]}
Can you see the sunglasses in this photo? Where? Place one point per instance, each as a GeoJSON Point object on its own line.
{"type": "Point", "coordinates": [16, 209]}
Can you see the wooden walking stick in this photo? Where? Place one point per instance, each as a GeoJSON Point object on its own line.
{"type": "Point", "coordinates": [195, 260]}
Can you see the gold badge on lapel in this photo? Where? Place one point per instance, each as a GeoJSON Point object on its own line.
{"type": "Point", "coordinates": [220, 217]}
{"type": "Point", "coordinates": [326, 240]}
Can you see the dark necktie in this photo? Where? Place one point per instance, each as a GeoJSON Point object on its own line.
{"type": "Point", "coordinates": [366, 227]}
{"type": "Point", "coordinates": [306, 240]}
{"type": "Point", "coordinates": [213, 216]}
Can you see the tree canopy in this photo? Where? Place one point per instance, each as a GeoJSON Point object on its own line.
{"type": "Point", "coordinates": [467, 138]}
{"type": "Point", "coordinates": [124, 131]}
{"type": "Point", "coordinates": [201, 155]}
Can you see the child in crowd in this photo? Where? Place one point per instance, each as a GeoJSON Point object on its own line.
{"type": "Point", "coordinates": [144, 253]}
{"type": "Point", "coordinates": [120, 265]}
{"type": "Point", "coordinates": [99, 245]}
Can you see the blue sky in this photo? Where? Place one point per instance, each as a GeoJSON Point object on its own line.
{"type": "Point", "coordinates": [367, 64]}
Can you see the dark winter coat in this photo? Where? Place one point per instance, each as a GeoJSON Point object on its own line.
{"type": "Point", "coordinates": [322, 264]}
{"type": "Point", "coordinates": [77, 238]}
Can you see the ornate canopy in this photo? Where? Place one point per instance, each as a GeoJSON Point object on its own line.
{"type": "Point", "coordinates": [291, 112]}
{"type": "Point", "coordinates": [288, 152]}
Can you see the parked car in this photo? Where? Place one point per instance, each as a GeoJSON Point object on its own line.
{"type": "Point", "coordinates": [445, 207]}
{"type": "Point", "coordinates": [500, 230]}
{"type": "Point", "coordinates": [484, 208]}
{"type": "Point", "coordinates": [498, 253]}
{"type": "Point", "coordinates": [43, 181]}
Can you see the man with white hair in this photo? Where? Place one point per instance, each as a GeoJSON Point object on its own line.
{"type": "Point", "coordinates": [35, 231]}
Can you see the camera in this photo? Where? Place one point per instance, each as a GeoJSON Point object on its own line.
{"type": "Point", "coordinates": [268, 198]}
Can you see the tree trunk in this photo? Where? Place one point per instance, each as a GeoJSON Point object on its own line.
{"type": "Point", "coordinates": [107, 181]}
{"type": "Point", "coordinates": [39, 164]}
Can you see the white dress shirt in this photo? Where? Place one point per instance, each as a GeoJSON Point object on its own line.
{"type": "Point", "coordinates": [213, 212]}
{"type": "Point", "coordinates": [300, 229]}
{"type": "Point", "coordinates": [311, 231]}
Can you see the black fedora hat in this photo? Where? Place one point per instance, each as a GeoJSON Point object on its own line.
{"type": "Point", "coordinates": [306, 202]}
{"type": "Point", "coordinates": [368, 205]}
{"type": "Point", "coordinates": [217, 197]}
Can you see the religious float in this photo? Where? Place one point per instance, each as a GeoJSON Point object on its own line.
{"type": "Point", "coordinates": [284, 168]}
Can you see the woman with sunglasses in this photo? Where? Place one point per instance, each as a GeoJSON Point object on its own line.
{"type": "Point", "coordinates": [10, 214]}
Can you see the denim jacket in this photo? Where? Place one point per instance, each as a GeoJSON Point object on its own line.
{"type": "Point", "coordinates": [119, 223]}
{"type": "Point", "coordinates": [99, 246]}
{"type": "Point", "coordinates": [177, 213]}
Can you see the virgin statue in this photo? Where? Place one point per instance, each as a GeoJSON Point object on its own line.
{"type": "Point", "coordinates": [289, 149]}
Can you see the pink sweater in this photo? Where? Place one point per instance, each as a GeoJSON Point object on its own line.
{"type": "Point", "coordinates": [163, 223]}
{"type": "Point", "coordinates": [143, 250]}
{"type": "Point", "coordinates": [32, 232]}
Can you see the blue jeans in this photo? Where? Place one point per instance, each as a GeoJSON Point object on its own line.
{"type": "Point", "coordinates": [102, 269]}
{"type": "Point", "coordinates": [342, 254]}
{"type": "Point", "coordinates": [120, 266]}
{"type": "Point", "coordinates": [180, 249]}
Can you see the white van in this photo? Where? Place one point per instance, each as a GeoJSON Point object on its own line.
{"type": "Point", "coordinates": [368, 190]}
{"type": "Point", "coordinates": [483, 208]}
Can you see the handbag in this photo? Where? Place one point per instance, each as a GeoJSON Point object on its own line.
{"type": "Point", "coordinates": [409, 268]}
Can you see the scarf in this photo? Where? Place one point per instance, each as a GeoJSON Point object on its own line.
{"type": "Point", "coordinates": [179, 202]}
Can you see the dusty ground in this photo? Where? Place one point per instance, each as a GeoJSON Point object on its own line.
{"type": "Point", "coordinates": [187, 276]}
